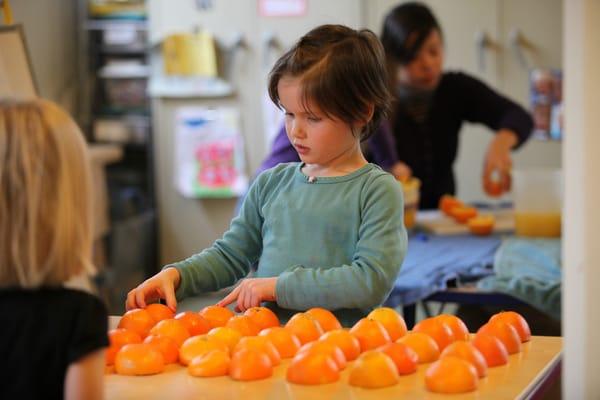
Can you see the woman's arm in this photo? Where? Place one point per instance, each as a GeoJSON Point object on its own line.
{"type": "Point", "coordinates": [498, 163]}
{"type": "Point", "coordinates": [85, 377]}
{"type": "Point", "coordinates": [484, 105]}
{"type": "Point", "coordinates": [510, 121]}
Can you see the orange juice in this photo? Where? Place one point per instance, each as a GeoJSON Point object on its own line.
{"type": "Point", "coordinates": [538, 202]}
{"type": "Point", "coordinates": [541, 224]}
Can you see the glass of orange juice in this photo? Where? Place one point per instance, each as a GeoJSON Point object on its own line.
{"type": "Point", "coordinates": [538, 202]}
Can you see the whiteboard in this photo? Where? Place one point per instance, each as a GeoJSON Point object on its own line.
{"type": "Point", "coordinates": [16, 74]}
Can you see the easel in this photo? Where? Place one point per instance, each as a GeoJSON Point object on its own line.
{"type": "Point", "coordinates": [6, 11]}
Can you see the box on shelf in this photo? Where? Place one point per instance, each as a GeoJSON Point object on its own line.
{"type": "Point", "coordinates": [125, 84]}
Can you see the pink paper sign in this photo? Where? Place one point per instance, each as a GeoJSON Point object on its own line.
{"type": "Point", "coordinates": [282, 8]}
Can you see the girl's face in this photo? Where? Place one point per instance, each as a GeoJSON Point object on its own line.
{"type": "Point", "coordinates": [425, 70]}
{"type": "Point", "coordinates": [318, 139]}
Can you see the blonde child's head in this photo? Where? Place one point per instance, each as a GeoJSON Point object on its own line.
{"type": "Point", "coordinates": [342, 72]}
{"type": "Point", "coordinates": [45, 212]}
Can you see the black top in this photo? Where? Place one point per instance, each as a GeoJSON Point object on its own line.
{"type": "Point", "coordinates": [429, 147]}
{"type": "Point", "coordinates": [43, 331]}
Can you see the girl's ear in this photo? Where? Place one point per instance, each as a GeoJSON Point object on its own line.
{"type": "Point", "coordinates": [370, 113]}
{"type": "Point", "coordinates": [362, 122]}
{"type": "Point", "coordinates": [368, 116]}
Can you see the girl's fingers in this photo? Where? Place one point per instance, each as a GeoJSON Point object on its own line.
{"type": "Point", "coordinates": [169, 294]}
{"type": "Point", "coordinates": [140, 296]}
{"type": "Point", "coordinates": [249, 299]}
{"type": "Point", "coordinates": [255, 301]}
{"type": "Point", "coordinates": [230, 298]}
{"type": "Point", "coordinates": [241, 299]}
{"type": "Point", "coordinates": [130, 302]}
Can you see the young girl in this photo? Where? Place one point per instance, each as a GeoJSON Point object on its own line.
{"type": "Point", "coordinates": [328, 231]}
{"type": "Point", "coordinates": [51, 338]}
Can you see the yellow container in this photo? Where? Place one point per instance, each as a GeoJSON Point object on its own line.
{"type": "Point", "coordinates": [411, 189]}
{"type": "Point", "coordinates": [538, 202]}
{"type": "Point", "coordinates": [538, 224]}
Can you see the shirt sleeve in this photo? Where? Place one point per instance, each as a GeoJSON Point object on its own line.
{"type": "Point", "coordinates": [382, 146]}
{"type": "Point", "coordinates": [486, 106]}
{"type": "Point", "coordinates": [369, 279]}
{"type": "Point", "coordinates": [90, 330]}
{"type": "Point", "coordinates": [229, 258]}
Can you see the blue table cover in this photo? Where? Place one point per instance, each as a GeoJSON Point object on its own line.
{"type": "Point", "coordinates": [431, 261]}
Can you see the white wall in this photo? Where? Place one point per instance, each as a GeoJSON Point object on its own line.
{"type": "Point", "coordinates": [581, 254]}
{"type": "Point", "coordinates": [50, 30]}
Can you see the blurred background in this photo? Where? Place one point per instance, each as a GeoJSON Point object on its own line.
{"type": "Point", "coordinates": [158, 86]}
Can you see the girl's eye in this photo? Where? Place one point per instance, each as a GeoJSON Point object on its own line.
{"type": "Point", "coordinates": [288, 115]}
{"type": "Point", "coordinates": [313, 118]}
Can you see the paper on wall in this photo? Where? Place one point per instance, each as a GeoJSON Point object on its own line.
{"type": "Point", "coordinates": [209, 153]}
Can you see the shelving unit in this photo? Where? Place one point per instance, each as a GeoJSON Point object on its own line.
{"type": "Point", "coordinates": [115, 108]}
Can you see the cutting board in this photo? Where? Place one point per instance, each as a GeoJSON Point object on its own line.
{"type": "Point", "coordinates": [436, 222]}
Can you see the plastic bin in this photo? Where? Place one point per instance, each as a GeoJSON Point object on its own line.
{"type": "Point", "coordinates": [126, 92]}
{"type": "Point", "coordinates": [125, 83]}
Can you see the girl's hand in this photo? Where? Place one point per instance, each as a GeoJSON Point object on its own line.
{"type": "Point", "coordinates": [498, 163]}
{"type": "Point", "coordinates": [401, 171]}
{"type": "Point", "coordinates": [251, 293]}
{"type": "Point", "coordinates": [160, 286]}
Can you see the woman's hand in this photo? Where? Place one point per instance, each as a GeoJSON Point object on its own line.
{"type": "Point", "coordinates": [401, 171]}
{"type": "Point", "coordinates": [251, 292]}
{"type": "Point", "coordinates": [160, 286]}
{"type": "Point", "coordinates": [498, 163]}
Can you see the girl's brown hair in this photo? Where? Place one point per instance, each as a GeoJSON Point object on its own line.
{"type": "Point", "coordinates": [45, 212]}
{"type": "Point", "coordinates": [342, 72]}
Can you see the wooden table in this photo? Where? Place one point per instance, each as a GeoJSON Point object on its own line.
{"type": "Point", "coordinates": [537, 366]}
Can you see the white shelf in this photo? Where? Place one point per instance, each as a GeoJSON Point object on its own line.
{"type": "Point", "coordinates": [188, 87]}
{"type": "Point", "coordinates": [101, 25]}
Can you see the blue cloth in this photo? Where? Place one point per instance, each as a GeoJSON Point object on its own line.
{"type": "Point", "coordinates": [433, 260]}
{"type": "Point", "coordinates": [530, 270]}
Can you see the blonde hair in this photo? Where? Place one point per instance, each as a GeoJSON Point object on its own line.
{"type": "Point", "coordinates": [45, 210]}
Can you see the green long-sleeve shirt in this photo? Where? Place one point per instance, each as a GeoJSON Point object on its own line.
{"type": "Point", "coordinates": [336, 242]}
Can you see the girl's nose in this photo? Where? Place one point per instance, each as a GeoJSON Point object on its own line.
{"type": "Point", "coordinates": [297, 130]}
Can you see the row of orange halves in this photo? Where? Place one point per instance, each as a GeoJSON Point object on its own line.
{"type": "Point", "coordinates": [217, 342]}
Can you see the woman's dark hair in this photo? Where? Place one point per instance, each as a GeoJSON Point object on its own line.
{"type": "Point", "coordinates": [342, 72]}
{"type": "Point", "coordinates": [405, 28]}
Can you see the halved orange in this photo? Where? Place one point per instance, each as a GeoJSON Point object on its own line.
{"type": "Point", "coordinates": [312, 368]}
{"type": "Point", "coordinates": [326, 318]}
{"type": "Point", "coordinates": [211, 364]}
{"type": "Point", "coordinates": [451, 375]}
{"type": "Point", "coordinates": [370, 333]}
{"type": "Point", "coordinates": [139, 359]}
{"type": "Point", "coordinates": [283, 339]}
{"type": "Point", "coordinates": [373, 369]}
